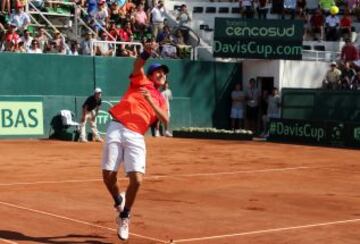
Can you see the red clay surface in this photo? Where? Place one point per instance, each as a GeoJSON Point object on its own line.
{"type": "Point", "coordinates": [195, 191]}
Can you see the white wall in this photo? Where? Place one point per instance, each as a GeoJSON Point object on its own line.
{"type": "Point", "coordinates": [286, 73]}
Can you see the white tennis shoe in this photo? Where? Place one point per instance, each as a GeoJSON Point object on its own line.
{"type": "Point", "coordinates": [123, 230]}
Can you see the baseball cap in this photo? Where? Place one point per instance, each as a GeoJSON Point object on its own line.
{"type": "Point", "coordinates": [156, 66]}
{"type": "Point", "coordinates": [97, 90]}
{"type": "Point", "coordinates": [333, 63]}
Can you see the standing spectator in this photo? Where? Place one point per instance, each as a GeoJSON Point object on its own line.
{"type": "Point", "coordinates": [317, 22]}
{"type": "Point", "coordinates": [247, 7]}
{"type": "Point", "coordinates": [101, 16]}
{"type": "Point", "coordinates": [345, 25]}
{"type": "Point", "coordinates": [237, 107]}
{"type": "Point", "coordinates": [20, 18]}
{"type": "Point", "coordinates": [347, 75]}
{"type": "Point", "coordinates": [273, 110]}
{"type": "Point", "coordinates": [252, 96]}
{"type": "Point", "coordinates": [90, 110]}
{"type": "Point", "coordinates": [6, 4]}
{"type": "Point", "coordinates": [301, 7]}
{"type": "Point", "coordinates": [141, 19]}
{"type": "Point", "coordinates": [167, 94]}
{"type": "Point", "coordinates": [349, 52]}
{"type": "Point", "coordinates": [183, 16]}
{"type": "Point", "coordinates": [289, 8]}
{"type": "Point", "coordinates": [157, 18]}
{"type": "Point", "coordinates": [331, 27]}
{"type": "Point", "coordinates": [332, 77]}
{"type": "Point", "coordinates": [262, 9]}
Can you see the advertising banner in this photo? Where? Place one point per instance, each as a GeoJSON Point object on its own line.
{"type": "Point", "coordinates": [21, 118]}
{"type": "Point", "coordinates": [258, 39]}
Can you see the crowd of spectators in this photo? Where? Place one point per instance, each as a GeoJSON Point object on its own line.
{"type": "Point", "coordinates": [136, 21]}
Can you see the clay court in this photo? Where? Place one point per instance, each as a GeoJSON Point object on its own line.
{"type": "Point", "coordinates": [195, 191]}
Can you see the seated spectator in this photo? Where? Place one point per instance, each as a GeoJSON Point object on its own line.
{"type": "Point", "coordinates": [332, 77]}
{"type": "Point", "coordinates": [129, 50]}
{"type": "Point", "coordinates": [11, 37]}
{"type": "Point", "coordinates": [104, 48]}
{"type": "Point", "coordinates": [20, 18]}
{"type": "Point", "coordinates": [168, 50]}
{"type": "Point", "coordinates": [85, 45]}
{"type": "Point", "coordinates": [20, 48]}
{"type": "Point", "coordinates": [349, 52]}
{"type": "Point", "coordinates": [347, 75]}
{"type": "Point", "coordinates": [125, 32]}
{"type": "Point", "coordinates": [42, 38]}
{"type": "Point", "coordinates": [345, 25]}
{"type": "Point", "coordinates": [317, 22]}
{"type": "Point", "coordinates": [73, 51]}
{"type": "Point", "coordinates": [26, 39]}
{"type": "Point", "coordinates": [164, 35]}
{"type": "Point", "coordinates": [35, 47]}
{"type": "Point", "coordinates": [325, 5]}
{"type": "Point", "coordinates": [331, 27]}
{"type": "Point", "coordinates": [58, 40]}
{"type": "Point", "coordinates": [113, 31]}
{"type": "Point", "coordinates": [92, 6]}
{"type": "Point", "coordinates": [51, 48]}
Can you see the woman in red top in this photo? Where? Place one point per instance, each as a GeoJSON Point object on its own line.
{"type": "Point", "coordinates": [139, 107]}
{"type": "Point", "coordinates": [345, 25]}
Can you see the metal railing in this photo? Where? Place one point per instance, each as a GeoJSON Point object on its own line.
{"type": "Point", "coordinates": [114, 44]}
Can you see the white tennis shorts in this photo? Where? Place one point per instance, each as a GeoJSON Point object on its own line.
{"type": "Point", "coordinates": [123, 146]}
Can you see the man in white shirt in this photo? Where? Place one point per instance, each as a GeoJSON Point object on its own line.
{"type": "Point", "coordinates": [332, 23]}
{"type": "Point", "coordinates": [20, 18]}
{"type": "Point", "coordinates": [157, 18]}
{"type": "Point", "coordinates": [27, 39]}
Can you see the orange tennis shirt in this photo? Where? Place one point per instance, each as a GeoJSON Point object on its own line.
{"type": "Point", "coordinates": [133, 111]}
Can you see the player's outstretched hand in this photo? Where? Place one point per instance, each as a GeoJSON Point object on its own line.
{"type": "Point", "coordinates": [150, 46]}
{"type": "Point", "coordinates": [146, 94]}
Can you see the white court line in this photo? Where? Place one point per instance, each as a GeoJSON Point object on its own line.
{"type": "Point", "coordinates": [7, 241]}
{"type": "Point", "coordinates": [154, 177]}
{"type": "Point", "coordinates": [77, 221]}
{"type": "Point", "coordinates": [267, 231]}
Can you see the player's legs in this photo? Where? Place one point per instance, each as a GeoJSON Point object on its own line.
{"type": "Point", "coordinates": [134, 165]}
{"type": "Point", "coordinates": [113, 155]}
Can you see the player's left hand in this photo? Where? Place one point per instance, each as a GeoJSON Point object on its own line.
{"type": "Point", "coordinates": [146, 94]}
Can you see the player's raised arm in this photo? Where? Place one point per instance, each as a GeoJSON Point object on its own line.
{"type": "Point", "coordinates": [141, 60]}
